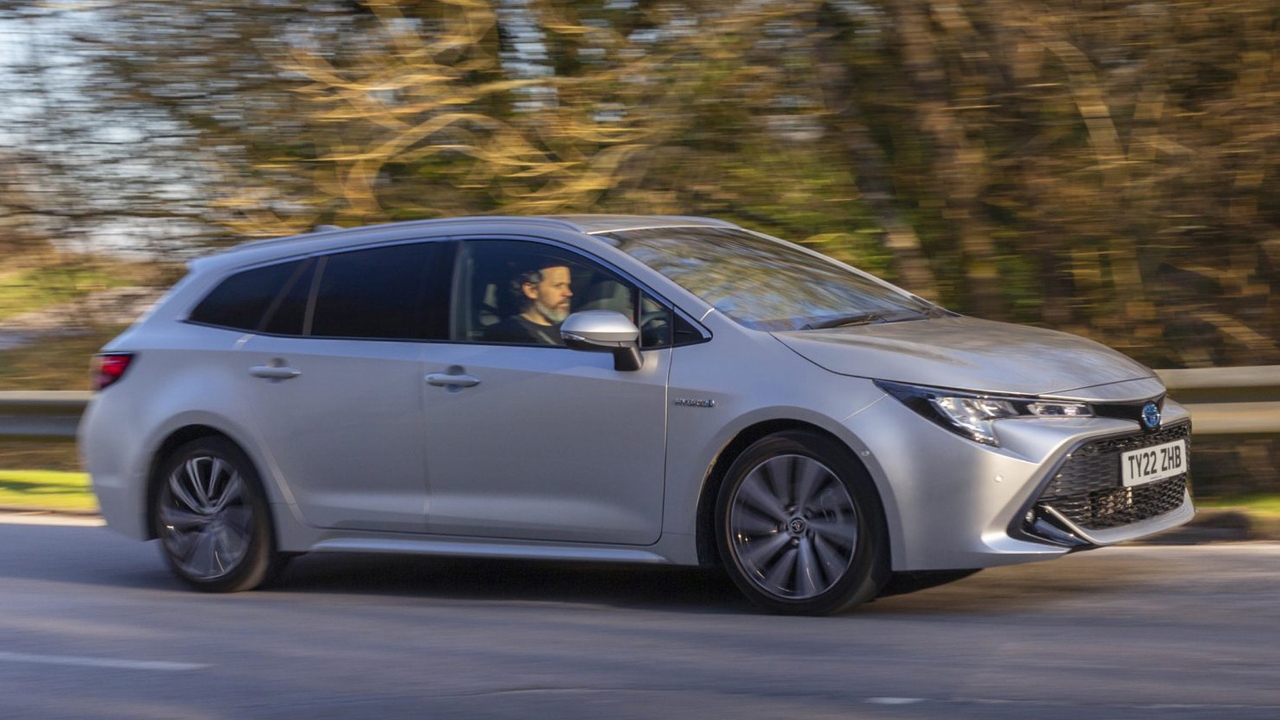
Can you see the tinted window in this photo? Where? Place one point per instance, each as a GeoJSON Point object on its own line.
{"type": "Point", "coordinates": [289, 311]}
{"type": "Point", "coordinates": [763, 283]}
{"type": "Point", "coordinates": [381, 293]}
{"type": "Point", "coordinates": [243, 299]}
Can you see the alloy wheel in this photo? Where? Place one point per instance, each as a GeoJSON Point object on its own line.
{"type": "Point", "coordinates": [793, 527]}
{"type": "Point", "coordinates": [206, 517]}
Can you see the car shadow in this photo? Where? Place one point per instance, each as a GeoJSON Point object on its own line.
{"type": "Point", "coordinates": [1025, 588]}
{"type": "Point", "coordinates": [91, 556]}
{"type": "Point", "coordinates": [678, 589]}
{"type": "Point", "coordinates": [1034, 588]}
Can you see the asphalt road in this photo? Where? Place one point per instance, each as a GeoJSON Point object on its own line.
{"type": "Point", "coordinates": [92, 626]}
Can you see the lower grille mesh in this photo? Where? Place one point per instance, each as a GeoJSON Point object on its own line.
{"type": "Point", "coordinates": [1087, 489]}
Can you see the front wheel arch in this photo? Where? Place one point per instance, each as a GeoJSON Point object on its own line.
{"type": "Point", "coordinates": [799, 526]}
{"type": "Point", "coordinates": [708, 552]}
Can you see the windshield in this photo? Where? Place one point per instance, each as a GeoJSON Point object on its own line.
{"type": "Point", "coordinates": [766, 284]}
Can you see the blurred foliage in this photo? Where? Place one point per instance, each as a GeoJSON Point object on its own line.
{"type": "Point", "coordinates": [59, 361]}
{"type": "Point", "coordinates": [52, 456]}
{"type": "Point", "coordinates": [1107, 168]}
{"type": "Point", "coordinates": [46, 280]}
{"type": "Point", "coordinates": [1103, 167]}
{"type": "Point", "coordinates": [1224, 466]}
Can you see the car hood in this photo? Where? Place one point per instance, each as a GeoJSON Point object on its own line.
{"type": "Point", "coordinates": [969, 354]}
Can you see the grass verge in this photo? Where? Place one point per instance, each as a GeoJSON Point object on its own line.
{"type": "Point", "coordinates": [47, 490]}
{"type": "Point", "coordinates": [1253, 504]}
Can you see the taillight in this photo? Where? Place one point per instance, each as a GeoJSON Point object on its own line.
{"type": "Point", "coordinates": [108, 368]}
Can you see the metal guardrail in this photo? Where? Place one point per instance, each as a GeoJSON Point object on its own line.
{"type": "Point", "coordinates": [41, 414]}
{"type": "Point", "coordinates": [1228, 401]}
{"type": "Point", "coordinates": [1223, 401]}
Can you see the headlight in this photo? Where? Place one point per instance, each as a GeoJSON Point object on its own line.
{"type": "Point", "coordinates": [972, 414]}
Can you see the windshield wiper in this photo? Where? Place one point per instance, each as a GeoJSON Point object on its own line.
{"type": "Point", "coordinates": [869, 318]}
{"type": "Point", "coordinates": [844, 320]}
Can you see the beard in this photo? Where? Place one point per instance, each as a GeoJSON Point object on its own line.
{"type": "Point", "coordinates": [554, 315]}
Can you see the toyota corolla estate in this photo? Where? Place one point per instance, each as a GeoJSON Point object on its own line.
{"type": "Point", "coordinates": [623, 389]}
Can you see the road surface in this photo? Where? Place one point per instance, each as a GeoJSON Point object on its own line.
{"type": "Point", "coordinates": [93, 626]}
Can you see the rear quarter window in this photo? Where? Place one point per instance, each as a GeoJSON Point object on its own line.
{"type": "Point", "coordinates": [242, 301]}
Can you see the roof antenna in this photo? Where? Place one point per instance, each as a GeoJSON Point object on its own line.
{"type": "Point", "coordinates": [326, 228]}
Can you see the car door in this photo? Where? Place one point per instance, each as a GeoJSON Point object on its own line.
{"type": "Point", "coordinates": [338, 404]}
{"type": "Point", "coordinates": [532, 441]}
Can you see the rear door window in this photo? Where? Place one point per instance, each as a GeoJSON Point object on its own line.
{"type": "Point", "coordinates": [398, 292]}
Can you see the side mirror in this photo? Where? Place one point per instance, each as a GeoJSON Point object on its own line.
{"type": "Point", "coordinates": [604, 331]}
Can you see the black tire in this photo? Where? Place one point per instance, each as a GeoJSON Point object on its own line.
{"type": "Point", "coordinates": [799, 526]}
{"type": "Point", "coordinates": [212, 518]}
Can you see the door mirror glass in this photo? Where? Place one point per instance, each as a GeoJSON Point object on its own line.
{"type": "Point", "coordinates": [604, 331]}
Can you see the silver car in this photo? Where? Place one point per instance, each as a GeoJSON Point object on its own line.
{"type": "Point", "coordinates": [623, 389]}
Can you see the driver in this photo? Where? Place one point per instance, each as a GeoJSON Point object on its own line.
{"type": "Point", "coordinates": [542, 293]}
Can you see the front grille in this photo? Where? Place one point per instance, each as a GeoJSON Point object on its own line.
{"type": "Point", "coordinates": [1087, 488]}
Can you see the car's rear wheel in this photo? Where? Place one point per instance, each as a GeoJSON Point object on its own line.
{"type": "Point", "coordinates": [212, 518]}
{"type": "Point", "coordinates": [799, 526]}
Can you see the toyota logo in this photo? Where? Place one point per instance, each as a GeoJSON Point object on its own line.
{"type": "Point", "coordinates": [1151, 416]}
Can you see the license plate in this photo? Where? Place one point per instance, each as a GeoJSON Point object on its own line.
{"type": "Point", "coordinates": [1154, 463]}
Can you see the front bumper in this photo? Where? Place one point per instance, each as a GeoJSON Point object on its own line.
{"type": "Point", "coordinates": [1085, 504]}
{"type": "Point", "coordinates": [952, 503]}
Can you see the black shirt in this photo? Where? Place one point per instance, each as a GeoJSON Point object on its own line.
{"type": "Point", "coordinates": [517, 329]}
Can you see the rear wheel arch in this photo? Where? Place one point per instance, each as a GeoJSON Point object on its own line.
{"type": "Point", "coordinates": [208, 506]}
{"type": "Point", "coordinates": [172, 442]}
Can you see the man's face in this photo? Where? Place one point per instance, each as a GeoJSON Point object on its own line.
{"type": "Point", "coordinates": [551, 296]}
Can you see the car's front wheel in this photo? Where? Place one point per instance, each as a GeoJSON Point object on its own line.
{"type": "Point", "coordinates": [799, 526]}
{"type": "Point", "coordinates": [212, 518]}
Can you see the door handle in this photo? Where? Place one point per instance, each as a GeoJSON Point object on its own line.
{"type": "Point", "coordinates": [277, 370]}
{"type": "Point", "coordinates": [453, 382]}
